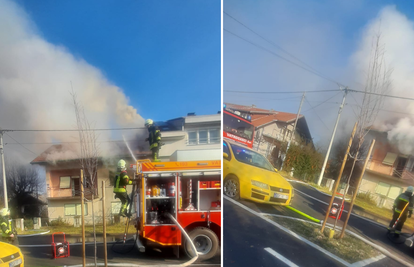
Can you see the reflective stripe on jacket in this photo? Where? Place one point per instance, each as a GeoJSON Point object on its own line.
{"type": "Point", "coordinates": [6, 226]}
{"type": "Point", "coordinates": [403, 200]}
{"type": "Point", "coordinates": [121, 181]}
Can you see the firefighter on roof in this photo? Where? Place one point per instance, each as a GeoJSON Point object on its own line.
{"type": "Point", "coordinates": [403, 205]}
{"type": "Point", "coordinates": [154, 139]}
{"type": "Point", "coordinates": [6, 227]}
{"type": "Point", "coordinates": [120, 183]}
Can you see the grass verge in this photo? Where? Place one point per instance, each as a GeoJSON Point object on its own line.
{"type": "Point", "coordinates": [348, 248]}
{"type": "Point", "coordinates": [110, 229]}
{"type": "Point", "coordinates": [369, 207]}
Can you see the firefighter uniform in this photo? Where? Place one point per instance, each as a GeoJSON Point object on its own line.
{"type": "Point", "coordinates": [403, 208]}
{"type": "Point", "coordinates": [7, 234]}
{"type": "Point", "coordinates": [120, 183]}
{"type": "Point", "coordinates": [154, 139]}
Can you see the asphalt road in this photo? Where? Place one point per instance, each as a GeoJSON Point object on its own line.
{"type": "Point", "coordinates": [371, 231]}
{"type": "Point", "coordinates": [246, 236]}
{"type": "Point", "coordinates": [42, 256]}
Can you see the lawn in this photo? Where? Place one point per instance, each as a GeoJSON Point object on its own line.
{"type": "Point", "coordinates": [349, 248]}
{"type": "Point", "coordinates": [369, 207]}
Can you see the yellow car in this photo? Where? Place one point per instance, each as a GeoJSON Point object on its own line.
{"type": "Point", "coordinates": [10, 256]}
{"type": "Point", "coordinates": [249, 175]}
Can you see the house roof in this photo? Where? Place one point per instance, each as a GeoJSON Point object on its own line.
{"type": "Point", "coordinates": [262, 117]}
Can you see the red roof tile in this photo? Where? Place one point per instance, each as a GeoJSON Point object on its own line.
{"type": "Point", "coordinates": [263, 116]}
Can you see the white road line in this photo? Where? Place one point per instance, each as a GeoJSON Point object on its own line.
{"type": "Point", "coordinates": [288, 231]}
{"type": "Point", "coordinates": [368, 261]}
{"type": "Point", "coordinates": [280, 257]}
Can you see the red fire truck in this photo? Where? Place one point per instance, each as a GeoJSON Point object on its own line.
{"type": "Point", "coordinates": [238, 127]}
{"type": "Point", "coordinates": [190, 192]}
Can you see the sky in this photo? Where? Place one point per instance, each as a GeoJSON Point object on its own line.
{"type": "Point", "coordinates": [335, 39]}
{"type": "Point", "coordinates": [126, 61]}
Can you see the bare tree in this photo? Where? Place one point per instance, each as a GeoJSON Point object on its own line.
{"type": "Point", "coordinates": [377, 83]}
{"type": "Point", "coordinates": [23, 182]}
{"type": "Point", "coordinates": [89, 157]}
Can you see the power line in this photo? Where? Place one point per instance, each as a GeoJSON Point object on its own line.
{"type": "Point", "coordinates": [276, 45]}
{"type": "Point", "coordinates": [281, 57]}
{"type": "Point", "coordinates": [317, 114]}
{"type": "Point", "coordinates": [286, 92]}
{"type": "Point", "coordinates": [58, 143]}
{"type": "Point", "coordinates": [377, 94]}
{"type": "Point", "coordinates": [20, 144]}
{"type": "Point", "coordinates": [319, 103]}
{"type": "Point", "coordinates": [70, 130]}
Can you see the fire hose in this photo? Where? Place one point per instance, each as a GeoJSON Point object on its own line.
{"type": "Point", "coordinates": [193, 248]}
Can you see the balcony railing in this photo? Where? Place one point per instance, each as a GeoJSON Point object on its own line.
{"type": "Point", "coordinates": [56, 192]}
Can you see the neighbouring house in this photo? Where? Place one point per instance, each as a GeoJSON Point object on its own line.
{"type": "Point", "coordinates": [273, 128]}
{"type": "Point", "coordinates": [389, 172]}
{"type": "Point", "coordinates": [191, 138]}
{"type": "Point", "coordinates": [186, 138]}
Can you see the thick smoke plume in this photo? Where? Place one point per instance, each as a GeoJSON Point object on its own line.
{"type": "Point", "coordinates": [36, 78]}
{"type": "Point", "coordinates": [397, 34]}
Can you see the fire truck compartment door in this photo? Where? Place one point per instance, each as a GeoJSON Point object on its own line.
{"type": "Point", "coordinates": [164, 235]}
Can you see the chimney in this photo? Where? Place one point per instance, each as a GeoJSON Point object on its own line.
{"type": "Point", "coordinates": [191, 114]}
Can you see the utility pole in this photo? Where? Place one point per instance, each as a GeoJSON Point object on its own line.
{"type": "Point", "coordinates": [356, 192]}
{"type": "Point", "coordinates": [339, 177]}
{"type": "Point", "coordinates": [332, 138]}
{"type": "Point", "coordinates": [82, 188]}
{"type": "Point", "coordinates": [294, 127]}
{"type": "Point", "coordinates": [104, 224]}
{"type": "Point", "coordinates": [6, 204]}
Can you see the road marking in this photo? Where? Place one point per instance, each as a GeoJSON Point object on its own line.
{"type": "Point", "coordinates": [368, 261]}
{"type": "Point", "coordinates": [288, 231]}
{"type": "Point", "coordinates": [280, 257]}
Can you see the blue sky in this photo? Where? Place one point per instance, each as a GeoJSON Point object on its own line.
{"type": "Point", "coordinates": [164, 55]}
{"type": "Point", "coordinates": [330, 36]}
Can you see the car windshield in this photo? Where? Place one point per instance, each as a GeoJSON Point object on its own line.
{"type": "Point", "coordinates": [237, 127]}
{"type": "Point", "coordinates": [250, 157]}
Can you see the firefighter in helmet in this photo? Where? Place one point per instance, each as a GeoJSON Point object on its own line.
{"type": "Point", "coordinates": [120, 183]}
{"type": "Point", "coordinates": [6, 227]}
{"type": "Point", "coordinates": [154, 139]}
{"type": "Point", "coordinates": [403, 206]}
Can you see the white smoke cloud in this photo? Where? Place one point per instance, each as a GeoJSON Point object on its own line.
{"type": "Point", "coordinates": [35, 85]}
{"type": "Point", "coordinates": [397, 34]}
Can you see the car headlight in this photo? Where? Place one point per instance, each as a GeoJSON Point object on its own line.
{"type": "Point", "coordinates": [1, 261]}
{"type": "Point", "coordinates": [260, 184]}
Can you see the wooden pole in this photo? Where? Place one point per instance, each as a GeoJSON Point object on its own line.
{"type": "Point", "coordinates": [83, 219]}
{"type": "Point", "coordinates": [354, 195]}
{"type": "Point", "coordinates": [339, 177]}
{"type": "Point", "coordinates": [104, 224]}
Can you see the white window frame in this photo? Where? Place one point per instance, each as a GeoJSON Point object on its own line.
{"type": "Point", "coordinates": [76, 206]}
{"type": "Point", "coordinates": [198, 142]}
{"type": "Point", "coordinates": [60, 182]}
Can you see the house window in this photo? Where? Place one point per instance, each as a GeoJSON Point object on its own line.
{"type": "Point", "coordinates": [192, 138]}
{"type": "Point", "coordinates": [115, 207]}
{"type": "Point", "coordinates": [65, 182]}
{"type": "Point", "coordinates": [382, 189]}
{"type": "Point", "coordinates": [214, 136]}
{"type": "Point", "coordinates": [204, 136]}
{"type": "Point", "coordinates": [389, 159]}
{"type": "Point", "coordinates": [394, 192]}
{"type": "Point", "coordinates": [75, 209]}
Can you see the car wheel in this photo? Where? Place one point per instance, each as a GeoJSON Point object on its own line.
{"type": "Point", "coordinates": [205, 241]}
{"type": "Point", "coordinates": [231, 187]}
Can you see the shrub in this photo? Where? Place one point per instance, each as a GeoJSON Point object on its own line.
{"type": "Point", "coordinates": [59, 222]}
{"type": "Point", "coordinates": [367, 197]}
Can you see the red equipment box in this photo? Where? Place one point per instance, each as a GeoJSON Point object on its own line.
{"type": "Point", "coordinates": [60, 249]}
{"type": "Point", "coordinates": [215, 184]}
{"type": "Point", "coordinates": [204, 184]}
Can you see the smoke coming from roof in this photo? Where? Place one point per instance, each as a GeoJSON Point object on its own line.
{"type": "Point", "coordinates": [35, 85]}
{"type": "Point", "coordinates": [397, 34]}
